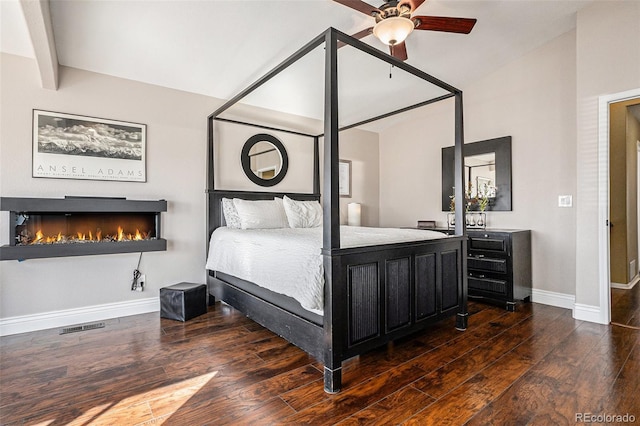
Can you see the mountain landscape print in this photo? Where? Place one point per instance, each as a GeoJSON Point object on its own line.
{"type": "Point", "coordinates": [68, 146]}
{"type": "Point", "coordinates": [58, 135]}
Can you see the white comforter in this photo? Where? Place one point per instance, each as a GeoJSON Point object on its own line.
{"type": "Point", "coordinates": [288, 260]}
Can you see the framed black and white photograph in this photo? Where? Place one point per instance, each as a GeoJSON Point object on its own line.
{"type": "Point", "coordinates": [68, 146]}
{"type": "Point", "coordinates": [344, 178]}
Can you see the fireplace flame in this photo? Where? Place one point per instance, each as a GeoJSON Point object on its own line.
{"type": "Point", "coordinates": [38, 238]}
{"type": "Point", "coordinates": [79, 236]}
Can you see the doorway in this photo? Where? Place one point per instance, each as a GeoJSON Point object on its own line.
{"type": "Point", "coordinates": [605, 199]}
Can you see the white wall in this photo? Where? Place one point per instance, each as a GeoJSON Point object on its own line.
{"type": "Point", "coordinates": [361, 147]}
{"type": "Point", "coordinates": [176, 171]}
{"type": "Point", "coordinates": [176, 149]}
{"type": "Point", "coordinates": [608, 62]}
{"type": "Point", "coordinates": [533, 100]}
{"type": "Point", "coordinates": [230, 138]}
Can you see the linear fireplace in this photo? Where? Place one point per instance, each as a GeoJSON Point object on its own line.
{"type": "Point", "coordinates": [77, 226]}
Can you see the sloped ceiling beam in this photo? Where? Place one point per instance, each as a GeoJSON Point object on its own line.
{"type": "Point", "coordinates": [38, 17]}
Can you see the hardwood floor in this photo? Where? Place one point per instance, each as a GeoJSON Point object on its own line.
{"type": "Point", "coordinates": [533, 366]}
{"type": "Point", "coordinates": [625, 306]}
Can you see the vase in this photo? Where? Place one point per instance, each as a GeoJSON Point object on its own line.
{"type": "Point", "coordinates": [470, 219]}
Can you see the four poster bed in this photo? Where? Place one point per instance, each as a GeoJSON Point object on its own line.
{"type": "Point", "coordinates": [372, 290]}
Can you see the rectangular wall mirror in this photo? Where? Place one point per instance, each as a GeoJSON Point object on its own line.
{"type": "Point", "coordinates": [487, 169]}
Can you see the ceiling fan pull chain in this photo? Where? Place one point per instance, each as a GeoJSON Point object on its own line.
{"type": "Point", "coordinates": [390, 70]}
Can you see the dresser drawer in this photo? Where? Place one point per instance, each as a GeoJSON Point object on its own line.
{"type": "Point", "coordinates": [490, 285]}
{"type": "Point", "coordinates": [487, 264]}
{"type": "Point", "coordinates": [490, 243]}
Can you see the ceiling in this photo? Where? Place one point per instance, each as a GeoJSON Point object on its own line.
{"type": "Point", "coordinates": [219, 47]}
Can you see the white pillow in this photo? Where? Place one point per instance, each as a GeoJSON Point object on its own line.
{"type": "Point", "coordinates": [261, 214]}
{"type": "Point", "coordinates": [303, 214]}
{"type": "Point", "coordinates": [230, 212]}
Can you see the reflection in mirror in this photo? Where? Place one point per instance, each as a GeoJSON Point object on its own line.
{"type": "Point", "coordinates": [264, 159]}
{"type": "Point", "coordinates": [487, 169]}
{"type": "Point", "coordinates": [480, 174]}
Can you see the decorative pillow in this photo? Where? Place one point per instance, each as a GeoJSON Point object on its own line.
{"type": "Point", "coordinates": [261, 214]}
{"type": "Point", "coordinates": [231, 216]}
{"type": "Point", "coordinates": [303, 214]}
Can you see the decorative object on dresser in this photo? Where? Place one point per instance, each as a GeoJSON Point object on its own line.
{"type": "Point", "coordinates": [427, 224]}
{"type": "Point", "coordinates": [499, 266]}
{"type": "Point", "coordinates": [68, 146]}
{"type": "Point", "coordinates": [474, 220]}
{"type": "Point", "coordinates": [77, 226]}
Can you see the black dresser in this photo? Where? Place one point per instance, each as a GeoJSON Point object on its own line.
{"type": "Point", "coordinates": [499, 265]}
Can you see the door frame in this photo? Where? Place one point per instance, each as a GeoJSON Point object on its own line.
{"type": "Point", "coordinates": [603, 197]}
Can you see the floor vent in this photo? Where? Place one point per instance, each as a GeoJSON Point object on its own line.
{"type": "Point", "coordinates": [83, 327]}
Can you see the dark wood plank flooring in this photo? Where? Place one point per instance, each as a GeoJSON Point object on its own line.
{"type": "Point", "coordinates": [534, 366]}
{"type": "Point", "coordinates": [625, 306]}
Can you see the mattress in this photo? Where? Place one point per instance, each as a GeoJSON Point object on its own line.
{"type": "Point", "coordinates": [289, 260]}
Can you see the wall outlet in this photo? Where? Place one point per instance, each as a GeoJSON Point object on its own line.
{"type": "Point", "coordinates": [142, 281]}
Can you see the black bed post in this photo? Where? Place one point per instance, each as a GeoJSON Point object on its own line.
{"type": "Point", "coordinates": [331, 219]}
{"type": "Point", "coordinates": [210, 187]}
{"type": "Point", "coordinates": [316, 165]}
{"type": "Point", "coordinates": [460, 226]}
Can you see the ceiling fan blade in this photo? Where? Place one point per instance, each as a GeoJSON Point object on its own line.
{"type": "Point", "coordinates": [358, 5]}
{"type": "Point", "coordinates": [358, 35]}
{"type": "Point", "coordinates": [449, 25]}
{"type": "Point", "coordinates": [413, 3]}
{"type": "Point", "coordinates": [363, 33]}
{"type": "Point", "coordinates": [399, 51]}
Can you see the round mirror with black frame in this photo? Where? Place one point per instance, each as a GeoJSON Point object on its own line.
{"type": "Point", "coordinates": [264, 159]}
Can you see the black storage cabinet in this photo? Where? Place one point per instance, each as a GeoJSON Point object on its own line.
{"type": "Point", "coordinates": [183, 301]}
{"type": "Point", "coordinates": [499, 266]}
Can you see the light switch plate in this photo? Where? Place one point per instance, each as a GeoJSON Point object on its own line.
{"type": "Point", "coordinates": [565, 201]}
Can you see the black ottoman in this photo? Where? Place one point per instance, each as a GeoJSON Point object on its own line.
{"type": "Point", "coordinates": [183, 301]}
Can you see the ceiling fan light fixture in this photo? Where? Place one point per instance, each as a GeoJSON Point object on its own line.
{"type": "Point", "coordinates": [393, 30]}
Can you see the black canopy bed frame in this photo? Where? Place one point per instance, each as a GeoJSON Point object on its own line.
{"type": "Point", "coordinates": [373, 294]}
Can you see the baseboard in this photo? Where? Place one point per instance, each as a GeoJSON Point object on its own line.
{"type": "Point", "coordinates": [580, 311]}
{"type": "Point", "coordinates": [589, 313]}
{"type": "Point", "coordinates": [552, 298]}
{"type": "Point", "coordinates": [629, 286]}
{"type": "Point", "coordinates": [35, 322]}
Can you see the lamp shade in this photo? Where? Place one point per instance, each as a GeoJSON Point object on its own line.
{"type": "Point", "coordinates": [353, 214]}
{"type": "Point", "coordinates": [393, 30]}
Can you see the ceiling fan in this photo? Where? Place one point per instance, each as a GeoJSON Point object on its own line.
{"type": "Point", "coordinates": [394, 23]}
